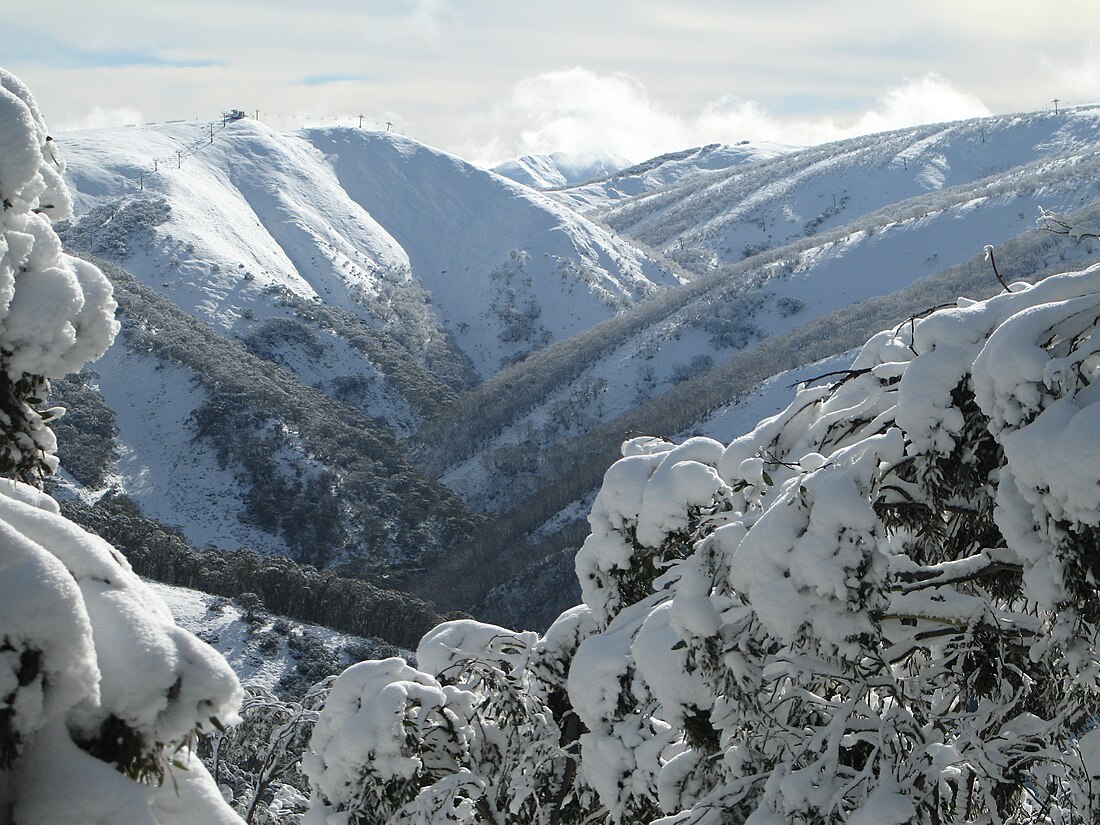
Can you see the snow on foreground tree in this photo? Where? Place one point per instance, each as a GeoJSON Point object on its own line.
{"type": "Point", "coordinates": [880, 606]}
{"type": "Point", "coordinates": [473, 737]}
{"type": "Point", "coordinates": [258, 760]}
{"type": "Point", "coordinates": [56, 312]}
{"type": "Point", "coordinates": [100, 692]}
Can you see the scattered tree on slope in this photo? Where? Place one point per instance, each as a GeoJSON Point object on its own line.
{"type": "Point", "coordinates": [880, 606]}
{"type": "Point", "coordinates": [368, 504]}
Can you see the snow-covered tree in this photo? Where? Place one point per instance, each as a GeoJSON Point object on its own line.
{"type": "Point", "coordinates": [56, 312]}
{"type": "Point", "coordinates": [259, 758]}
{"type": "Point", "coordinates": [481, 733]}
{"type": "Point", "coordinates": [879, 606]}
{"type": "Point", "coordinates": [100, 692]}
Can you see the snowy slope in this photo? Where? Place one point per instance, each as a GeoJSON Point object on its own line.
{"type": "Point", "coordinates": [776, 293]}
{"type": "Point", "coordinates": [560, 168]}
{"type": "Point", "coordinates": [250, 209]}
{"type": "Point", "coordinates": [508, 269]}
{"type": "Point", "coordinates": [722, 402]}
{"type": "Point", "coordinates": [174, 479]}
{"type": "Point", "coordinates": [259, 650]}
{"type": "Point", "coordinates": [725, 217]}
{"type": "Point", "coordinates": [254, 232]}
{"type": "Point", "coordinates": [238, 453]}
{"type": "Point", "coordinates": [663, 171]}
{"type": "Point", "coordinates": [738, 305]}
{"type": "Point", "coordinates": [237, 230]}
{"type": "Point", "coordinates": [418, 243]}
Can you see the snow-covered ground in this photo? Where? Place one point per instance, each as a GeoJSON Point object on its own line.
{"type": "Point", "coordinates": [664, 170]}
{"type": "Point", "coordinates": [259, 650]}
{"type": "Point", "coordinates": [173, 478]}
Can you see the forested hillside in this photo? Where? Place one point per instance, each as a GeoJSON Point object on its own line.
{"type": "Point", "coordinates": [577, 465]}
{"type": "Point", "coordinates": [282, 467]}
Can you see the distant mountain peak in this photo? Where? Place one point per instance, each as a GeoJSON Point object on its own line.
{"type": "Point", "coordinates": [557, 169]}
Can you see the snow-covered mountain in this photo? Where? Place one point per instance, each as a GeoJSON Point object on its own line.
{"type": "Point", "coordinates": [559, 169]}
{"type": "Point", "coordinates": [662, 171]}
{"type": "Point", "coordinates": [237, 452]}
{"type": "Point", "coordinates": [361, 269]}
{"type": "Point", "coordinates": [399, 279]}
{"type": "Point", "coordinates": [669, 366]}
{"type": "Point", "coordinates": [796, 275]}
{"type": "Point", "coordinates": [734, 214]}
{"type": "Point", "coordinates": [508, 270]}
{"type": "Point", "coordinates": [454, 261]}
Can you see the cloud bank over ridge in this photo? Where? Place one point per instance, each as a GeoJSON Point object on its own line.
{"type": "Point", "coordinates": [578, 110]}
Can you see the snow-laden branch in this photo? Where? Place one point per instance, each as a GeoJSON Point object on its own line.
{"type": "Point", "coordinates": [1052, 222]}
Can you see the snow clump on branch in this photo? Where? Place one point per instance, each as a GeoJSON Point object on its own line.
{"type": "Point", "coordinates": [56, 311]}
{"type": "Point", "coordinates": [100, 692]}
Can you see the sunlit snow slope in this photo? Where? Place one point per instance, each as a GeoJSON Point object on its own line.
{"type": "Point", "coordinates": [259, 649]}
{"type": "Point", "coordinates": [561, 168]}
{"type": "Point", "coordinates": [870, 246]}
{"type": "Point", "coordinates": [727, 216]}
{"type": "Point", "coordinates": [661, 171]}
{"type": "Point", "coordinates": [415, 241]}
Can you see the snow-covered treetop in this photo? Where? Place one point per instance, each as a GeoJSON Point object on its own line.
{"type": "Point", "coordinates": [98, 686]}
{"type": "Point", "coordinates": [56, 312]}
{"type": "Point", "coordinates": [30, 171]}
{"type": "Point", "coordinates": [879, 605]}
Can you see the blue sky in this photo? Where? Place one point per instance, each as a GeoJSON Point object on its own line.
{"type": "Point", "coordinates": [491, 79]}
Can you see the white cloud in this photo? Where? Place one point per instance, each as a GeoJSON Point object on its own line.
{"type": "Point", "coordinates": [577, 110]}
{"type": "Point", "coordinates": [929, 99]}
{"type": "Point", "coordinates": [732, 119]}
{"type": "Point", "coordinates": [573, 110]}
{"type": "Point", "coordinates": [1076, 81]}
{"type": "Point", "coordinates": [103, 118]}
